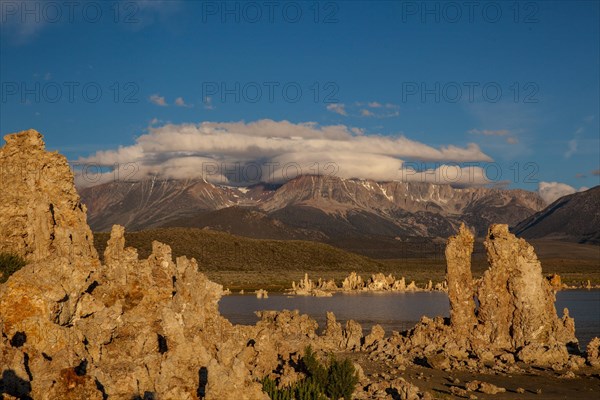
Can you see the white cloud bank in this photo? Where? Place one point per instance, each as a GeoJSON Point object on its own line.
{"type": "Point", "coordinates": [551, 191]}
{"type": "Point", "coordinates": [274, 151]}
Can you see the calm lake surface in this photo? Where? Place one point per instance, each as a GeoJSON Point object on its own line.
{"type": "Point", "coordinates": [397, 311]}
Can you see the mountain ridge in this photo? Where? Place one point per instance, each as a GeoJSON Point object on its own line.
{"type": "Point", "coordinates": [307, 207]}
{"type": "Point", "coordinates": [574, 218]}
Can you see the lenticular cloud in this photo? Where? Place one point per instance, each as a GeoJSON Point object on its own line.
{"type": "Point", "coordinates": [241, 153]}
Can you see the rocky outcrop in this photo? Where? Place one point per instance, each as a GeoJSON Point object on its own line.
{"type": "Point", "coordinates": [484, 387]}
{"type": "Point", "coordinates": [137, 326]}
{"type": "Point", "coordinates": [41, 215]}
{"type": "Point", "coordinates": [335, 337]}
{"type": "Point", "coordinates": [593, 352]}
{"type": "Point", "coordinates": [306, 287]}
{"type": "Point", "coordinates": [505, 316]}
{"type": "Point", "coordinates": [516, 301]}
{"type": "Point", "coordinates": [460, 282]}
{"type": "Point", "coordinates": [72, 328]}
{"type": "Point", "coordinates": [355, 283]}
{"type": "Point", "coordinates": [555, 282]}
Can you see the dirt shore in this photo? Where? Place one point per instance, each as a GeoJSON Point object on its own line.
{"type": "Point", "coordinates": [537, 383]}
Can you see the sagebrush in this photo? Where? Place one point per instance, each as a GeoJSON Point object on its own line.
{"type": "Point", "coordinates": [333, 381]}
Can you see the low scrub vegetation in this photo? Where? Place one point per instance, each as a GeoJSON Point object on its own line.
{"type": "Point", "coordinates": [333, 381]}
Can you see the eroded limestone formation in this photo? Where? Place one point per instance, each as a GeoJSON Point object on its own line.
{"type": "Point", "coordinates": [506, 316]}
{"type": "Point", "coordinates": [355, 283]}
{"type": "Point", "coordinates": [41, 215]}
{"type": "Point", "coordinates": [72, 328]}
{"type": "Point", "coordinates": [306, 287]}
{"type": "Point", "coordinates": [593, 352]}
{"type": "Point", "coordinates": [516, 301]}
{"type": "Point", "coordinates": [460, 282]}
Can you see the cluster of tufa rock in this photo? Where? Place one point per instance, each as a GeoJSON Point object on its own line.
{"type": "Point", "coordinates": [355, 283]}
{"type": "Point", "coordinates": [75, 328]}
{"type": "Point", "coordinates": [506, 316]}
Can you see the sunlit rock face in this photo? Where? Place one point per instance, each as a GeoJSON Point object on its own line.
{"type": "Point", "coordinates": [41, 215]}
{"type": "Point", "coordinates": [508, 315]}
{"type": "Point", "coordinates": [509, 311]}
{"type": "Point", "coordinates": [73, 328]}
{"type": "Point", "coordinates": [516, 302]}
{"type": "Point", "coordinates": [460, 282]}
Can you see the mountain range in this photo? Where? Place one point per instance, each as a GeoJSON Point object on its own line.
{"type": "Point", "coordinates": [322, 208]}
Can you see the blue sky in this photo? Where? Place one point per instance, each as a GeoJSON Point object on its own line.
{"type": "Point", "coordinates": [519, 80]}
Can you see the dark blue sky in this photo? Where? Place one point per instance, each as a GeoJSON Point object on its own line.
{"type": "Point", "coordinates": [519, 79]}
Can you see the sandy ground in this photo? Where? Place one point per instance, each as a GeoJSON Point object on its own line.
{"type": "Point", "coordinates": [537, 383]}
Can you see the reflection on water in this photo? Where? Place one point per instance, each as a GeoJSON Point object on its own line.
{"type": "Point", "coordinates": [397, 311]}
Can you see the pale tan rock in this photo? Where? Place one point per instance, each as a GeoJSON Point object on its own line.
{"type": "Point", "coordinates": [399, 285]}
{"type": "Point", "coordinates": [41, 215]}
{"type": "Point", "coordinates": [377, 334]}
{"type": "Point", "coordinates": [379, 282]}
{"type": "Point", "coordinates": [593, 352]}
{"type": "Point", "coordinates": [306, 287]}
{"type": "Point", "coordinates": [516, 315]}
{"type": "Point", "coordinates": [488, 388]}
{"type": "Point", "coordinates": [352, 335]}
{"type": "Point", "coordinates": [460, 282]}
{"type": "Point", "coordinates": [555, 282]}
{"type": "Point", "coordinates": [353, 282]}
{"type": "Point", "coordinates": [438, 361]}
{"type": "Point", "coordinates": [72, 328]}
{"type": "Point", "coordinates": [516, 302]}
{"type": "Point", "coordinates": [455, 390]}
{"type": "Point", "coordinates": [333, 335]}
{"type": "Point", "coordinates": [484, 387]}
{"type": "Point", "coordinates": [404, 389]}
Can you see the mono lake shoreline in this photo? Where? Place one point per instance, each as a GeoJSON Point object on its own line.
{"type": "Point", "coordinates": [394, 310]}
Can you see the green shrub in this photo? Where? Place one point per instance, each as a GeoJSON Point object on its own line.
{"type": "Point", "coordinates": [335, 381]}
{"type": "Point", "coordinates": [342, 380]}
{"type": "Point", "coordinates": [9, 264]}
{"type": "Point", "coordinates": [270, 388]}
{"type": "Point", "coordinates": [314, 370]}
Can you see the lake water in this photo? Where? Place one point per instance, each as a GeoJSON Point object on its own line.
{"type": "Point", "coordinates": [397, 311]}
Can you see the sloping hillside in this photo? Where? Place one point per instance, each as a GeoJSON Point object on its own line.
{"type": "Point", "coordinates": [574, 218]}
